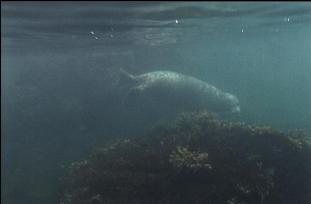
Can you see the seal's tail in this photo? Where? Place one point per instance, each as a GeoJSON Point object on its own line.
{"type": "Point", "coordinates": [126, 79]}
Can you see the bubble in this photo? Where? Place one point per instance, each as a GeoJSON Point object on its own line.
{"type": "Point", "coordinates": [286, 19]}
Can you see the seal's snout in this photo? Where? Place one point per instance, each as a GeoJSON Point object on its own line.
{"type": "Point", "coordinates": [234, 103]}
{"type": "Point", "coordinates": [236, 109]}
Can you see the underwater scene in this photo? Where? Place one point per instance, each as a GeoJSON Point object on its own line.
{"type": "Point", "coordinates": [155, 102]}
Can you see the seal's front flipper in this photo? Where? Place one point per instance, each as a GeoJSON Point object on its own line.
{"type": "Point", "coordinates": [127, 79]}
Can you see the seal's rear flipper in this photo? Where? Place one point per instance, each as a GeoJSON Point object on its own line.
{"type": "Point", "coordinates": [127, 84]}
{"type": "Point", "coordinates": [126, 79]}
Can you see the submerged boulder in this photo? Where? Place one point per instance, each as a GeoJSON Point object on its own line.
{"type": "Point", "coordinates": [199, 159]}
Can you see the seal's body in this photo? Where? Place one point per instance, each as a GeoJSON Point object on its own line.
{"type": "Point", "coordinates": [178, 91]}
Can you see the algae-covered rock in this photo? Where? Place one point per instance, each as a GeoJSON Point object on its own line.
{"type": "Point", "coordinates": [199, 159]}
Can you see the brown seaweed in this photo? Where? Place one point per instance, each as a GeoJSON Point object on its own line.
{"type": "Point", "coordinates": [199, 159]}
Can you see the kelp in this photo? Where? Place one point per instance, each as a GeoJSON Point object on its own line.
{"type": "Point", "coordinates": [199, 159]}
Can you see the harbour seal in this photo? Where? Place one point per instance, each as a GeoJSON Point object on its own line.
{"type": "Point", "coordinates": [177, 91]}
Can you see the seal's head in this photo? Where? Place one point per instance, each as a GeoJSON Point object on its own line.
{"type": "Point", "coordinates": [232, 103]}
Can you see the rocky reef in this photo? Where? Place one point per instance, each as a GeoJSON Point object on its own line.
{"type": "Point", "coordinates": [199, 159]}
